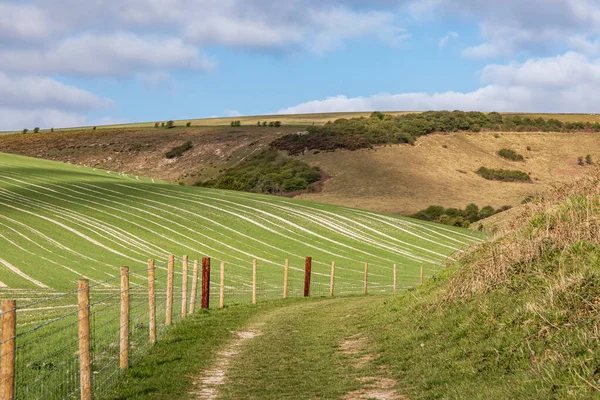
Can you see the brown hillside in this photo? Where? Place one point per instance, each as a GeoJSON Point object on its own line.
{"type": "Point", "coordinates": [439, 169]}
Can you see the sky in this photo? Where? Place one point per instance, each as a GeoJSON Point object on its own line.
{"type": "Point", "coordinates": [93, 62]}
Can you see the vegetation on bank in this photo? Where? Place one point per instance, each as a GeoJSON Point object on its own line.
{"type": "Point", "coordinates": [457, 217]}
{"type": "Point", "coordinates": [504, 175]}
{"type": "Point", "coordinates": [179, 150]}
{"type": "Point", "coordinates": [267, 172]}
{"type": "Point", "coordinates": [510, 155]}
{"type": "Point", "coordinates": [359, 133]}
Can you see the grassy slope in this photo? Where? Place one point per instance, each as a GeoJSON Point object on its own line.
{"type": "Point", "coordinates": [516, 318]}
{"type": "Point", "coordinates": [59, 223]}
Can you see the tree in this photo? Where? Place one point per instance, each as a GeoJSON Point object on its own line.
{"type": "Point", "coordinates": [258, 123]}
{"type": "Point", "coordinates": [170, 124]}
{"type": "Point", "coordinates": [36, 129]}
{"type": "Point", "coordinates": [51, 129]}
{"type": "Point", "coordinates": [188, 124]}
{"type": "Point", "coordinates": [264, 123]}
{"type": "Point", "coordinates": [162, 124]}
{"type": "Point", "coordinates": [94, 128]}
{"type": "Point", "coordinates": [277, 124]}
{"type": "Point", "coordinates": [156, 124]}
{"type": "Point", "coordinates": [271, 124]}
{"type": "Point", "coordinates": [25, 131]}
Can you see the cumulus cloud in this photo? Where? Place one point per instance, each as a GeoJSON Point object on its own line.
{"type": "Point", "coordinates": [29, 101]}
{"type": "Point", "coordinates": [511, 27]}
{"type": "Point", "coordinates": [566, 83]}
{"type": "Point", "coordinates": [105, 55]}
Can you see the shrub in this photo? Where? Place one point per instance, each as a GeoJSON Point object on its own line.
{"type": "Point", "coordinates": [94, 128]}
{"type": "Point", "coordinates": [258, 123]}
{"type": "Point", "coordinates": [588, 160]}
{"type": "Point", "coordinates": [156, 124]}
{"type": "Point", "coordinates": [271, 124]}
{"type": "Point", "coordinates": [179, 150]}
{"type": "Point", "coordinates": [170, 124]}
{"type": "Point", "coordinates": [510, 155]}
{"type": "Point", "coordinates": [457, 217]}
{"type": "Point", "coordinates": [51, 129]}
{"type": "Point", "coordinates": [277, 124]}
{"type": "Point", "coordinates": [236, 123]}
{"type": "Point", "coordinates": [580, 161]}
{"type": "Point", "coordinates": [25, 131]}
{"type": "Point", "coordinates": [528, 148]}
{"type": "Point", "coordinates": [162, 124]}
{"type": "Point", "coordinates": [188, 124]}
{"type": "Point", "coordinates": [503, 175]}
{"type": "Point", "coordinates": [267, 172]}
{"type": "Point", "coordinates": [264, 123]}
{"type": "Point", "coordinates": [36, 129]}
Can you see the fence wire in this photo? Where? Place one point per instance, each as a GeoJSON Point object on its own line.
{"type": "Point", "coordinates": [47, 336]}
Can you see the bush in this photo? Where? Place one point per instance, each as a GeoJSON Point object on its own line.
{"type": "Point", "coordinates": [588, 160]}
{"type": "Point", "coordinates": [264, 123]}
{"type": "Point", "coordinates": [236, 123]}
{"type": "Point", "coordinates": [162, 124]}
{"type": "Point", "coordinates": [25, 131]}
{"type": "Point", "coordinates": [277, 124]}
{"type": "Point", "coordinates": [36, 129]}
{"type": "Point", "coordinates": [170, 124]}
{"type": "Point", "coordinates": [267, 172]}
{"type": "Point", "coordinates": [258, 123]}
{"type": "Point", "coordinates": [94, 128]}
{"type": "Point", "coordinates": [179, 150]}
{"type": "Point", "coordinates": [457, 217]}
{"type": "Point", "coordinates": [503, 175]}
{"type": "Point", "coordinates": [51, 129]}
{"type": "Point", "coordinates": [580, 161]}
{"type": "Point", "coordinates": [188, 124]}
{"type": "Point", "coordinates": [156, 124]}
{"type": "Point", "coordinates": [510, 155]}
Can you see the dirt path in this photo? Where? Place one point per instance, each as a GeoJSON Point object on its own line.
{"type": "Point", "coordinates": [312, 350]}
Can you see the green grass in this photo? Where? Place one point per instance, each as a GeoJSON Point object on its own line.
{"type": "Point", "coordinates": [59, 223]}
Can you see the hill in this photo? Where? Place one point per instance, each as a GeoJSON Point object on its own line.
{"type": "Point", "coordinates": [440, 169]}
{"type": "Point", "coordinates": [59, 223]}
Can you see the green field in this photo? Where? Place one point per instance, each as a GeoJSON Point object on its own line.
{"type": "Point", "coordinates": [60, 223]}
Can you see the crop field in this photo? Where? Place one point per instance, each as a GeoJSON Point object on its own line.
{"type": "Point", "coordinates": [60, 223]}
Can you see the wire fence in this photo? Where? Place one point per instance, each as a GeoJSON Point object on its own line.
{"type": "Point", "coordinates": [44, 355]}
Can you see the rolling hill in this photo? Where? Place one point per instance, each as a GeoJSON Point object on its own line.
{"type": "Point", "coordinates": [60, 223]}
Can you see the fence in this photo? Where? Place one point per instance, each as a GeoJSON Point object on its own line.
{"type": "Point", "coordinates": [76, 344]}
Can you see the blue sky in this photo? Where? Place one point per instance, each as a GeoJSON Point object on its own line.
{"type": "Point", "coordinates": [75, 62]}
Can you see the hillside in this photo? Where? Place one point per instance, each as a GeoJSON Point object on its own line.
{"type": "Point", "coordinates": [59, 223]}
{"type": "Point", "coordinates": [438, 169]}
{"type": "Point", "coordinates": [514, 318]}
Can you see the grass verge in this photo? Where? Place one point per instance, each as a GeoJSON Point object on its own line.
{"type": "Point", "coordinates": [188, 348]}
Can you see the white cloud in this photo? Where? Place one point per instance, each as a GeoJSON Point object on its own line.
{"type": "Point", "coordinates": [105, 55]}
{"type": "Point", "coordinates": [17, 119]}
{"type": "Point", "coordinates": [444, 41]}
{"type": "Point", "coordinates": [29, 101]}
{"type": "Point", "coordinates": [35, 91]}
{"type": "Point", "coordinates": [566, 83]}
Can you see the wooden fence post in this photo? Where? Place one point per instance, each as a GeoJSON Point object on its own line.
{"type": "Point", "coordinates": [8, 349]}
{"type": "Point", "coordinates": [170, 272]}
{"type": "Point", "coordinates": [286, 271]}
{"type": "Point", "coordinates": [253, 281]}
{"type": "Point", "coordinates": [151, 302]}
{"type": "Point", "coordinates": [307, 273]}
{"type": "Point", "coordinates": [421, 275]}
{"type": "Point", "coordinates": [205, 283]}
{"type": "Point", "coordinates": [366, 278]}
{"type": "Point", "coordinates": [332, 281]}
{"type": "Point", "coordinates": [395, 279]}
{"type": "Point", "coordinates": [194, 288]}
{"type": "Point", "coordinates": [184, 286]}
{"type": "Point", "coordinates": [124, 347]}
{"type": "Point", "coordinates": [222, 286]}
{"type": "Point", "coordinates": [85, 370]}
